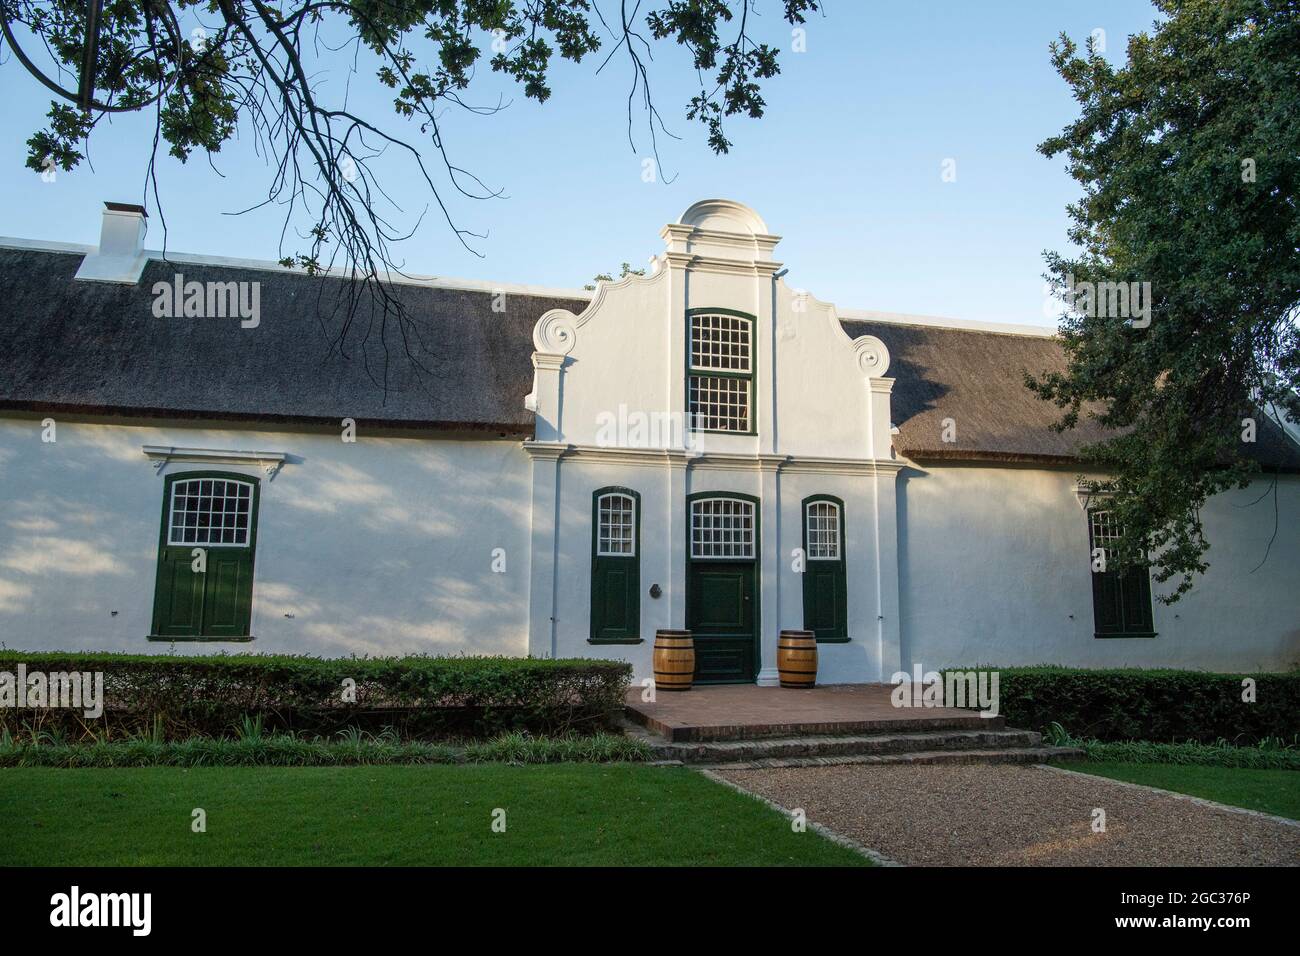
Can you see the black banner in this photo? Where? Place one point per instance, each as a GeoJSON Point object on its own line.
{"type": "Point", "coordinates": [341, 906]}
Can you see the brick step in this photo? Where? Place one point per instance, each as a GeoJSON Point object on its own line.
{"type": "Point", "coordinates": [925, 720]}
{"type": "Point", "coordinates": [821, 747]}
{"type": "Point", "coordinates": [1003, 755]}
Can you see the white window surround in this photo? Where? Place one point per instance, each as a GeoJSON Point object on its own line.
{"type": "Point", "coordinates": [822, 523]}
{"type": "Point", "coordinates": [269, 461]}
{"type": "Point", "coordinates": [212, 512]}
{"type": "Point", "coordinates": [722, 528]}
{"type": "Point", "coordinates": [720, 360]}
{"type": "Point", "coordinates": [616, 534]}
{"type": "Point", "coordinates": [721, 343]}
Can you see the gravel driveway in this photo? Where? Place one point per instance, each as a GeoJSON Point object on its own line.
{"type": "Point", "coordinates": [1006, 815]}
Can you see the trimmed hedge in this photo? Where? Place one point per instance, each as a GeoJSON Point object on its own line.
{"type": "Point", "coordinates": [288, 750]}
{"type": "Point", "coordinates": [177, 697]}
{"type": "Point", "coordinates": [1157, 705]}
{"type": "Point", "coordinates": [1205, 755]}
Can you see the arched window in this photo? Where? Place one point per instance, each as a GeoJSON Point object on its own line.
{"type": "Point", "coordinates": [204, 587]}
{"type": "Point", "coordinates": [722, 528]}
{"type": "Point", "coordinates": [615, 566]}
{"type": "Point", "coordinates": [825, 588]}
{"type": "Point", "coordinates": [212, 511]}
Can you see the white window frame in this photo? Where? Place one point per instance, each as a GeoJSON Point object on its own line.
{"type": "Point", "coordinates": [748, 508]}
{"type": "Point", "coordinates": [711, 377]}
{"type": "Point", "coordinates": [171, 512]}
{"type": "Point", "coordinates": [741, 322]}
{"type": "Point", "coordinates": [600, 518]}
{"type": "Point", "coordinates": [839, 530]}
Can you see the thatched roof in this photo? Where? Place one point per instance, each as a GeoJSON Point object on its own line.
{"type": "Point", "coordinates": [976, 378]}
{"type": "Point", "coordinates": [96, 348]}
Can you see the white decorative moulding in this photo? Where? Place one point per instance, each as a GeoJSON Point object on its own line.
{"type": "Point", "coordinates": [873, 356]}
{"type": "Point", "coordinates": [718, 232]}
{"type": "Point", "coordinates": [269, 461]}
{"type": "Point", "coordinates": [556, 332]}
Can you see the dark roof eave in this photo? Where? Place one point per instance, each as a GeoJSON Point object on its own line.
{"type": "Point", "coordinates": [511, 429]}
{"type": "Point", "coordinates": [1026, 458]}
{"type": "Point", "coordinates": [975, 455]}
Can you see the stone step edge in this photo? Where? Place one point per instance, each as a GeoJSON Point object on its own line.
{"type": "Point", "coordinates": [1035, 755]}
{"type": "Point", "coordinates": [849, 739]}
{"type": "Point", "coordinates": [723, 733]}
{"type": "Point", "coordinates": [877, 744]}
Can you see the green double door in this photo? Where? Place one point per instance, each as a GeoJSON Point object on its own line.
{"type": "Point", "coordinates": [722, 615]}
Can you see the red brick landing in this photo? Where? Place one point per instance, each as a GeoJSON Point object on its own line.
{"type": "Point", "coordinates": [745, 711]}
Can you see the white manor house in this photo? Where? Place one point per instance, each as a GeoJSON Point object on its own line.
{"type": "Point", "coordinates": [701, 447]}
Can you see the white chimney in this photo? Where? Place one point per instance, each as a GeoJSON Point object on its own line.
{"type": "Point", "coordinates": [120, 256]}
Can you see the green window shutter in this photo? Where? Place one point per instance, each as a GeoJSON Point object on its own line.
{"type": "Point", "coordinates": [1121, 600]}
{"type": "Point", "coordinates": [178, 595]}
{"type": "Point", "coordinates": [217, 512]}
{"type": "Point", "coordinates": [615, 566]}
{"type": "Point", "coordinates": [825, 581]}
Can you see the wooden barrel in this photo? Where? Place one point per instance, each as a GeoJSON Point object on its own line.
{"type": "Point", "coordinates": [796, 658]}
{"type": "Point", "coordinates": [674, 660]}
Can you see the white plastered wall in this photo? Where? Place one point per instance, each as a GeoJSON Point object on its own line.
{"type": "Point", "coordinates": [994, 569]}
{"type": "Point", "coordinates": [384, 546]}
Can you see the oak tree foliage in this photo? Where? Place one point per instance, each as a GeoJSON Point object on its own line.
{"type": "Point", "coordinates": [1188, 156]}
{"type": "Point", "coordinates": [279, 72]}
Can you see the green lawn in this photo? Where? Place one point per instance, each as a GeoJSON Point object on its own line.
{"type": "Point", "coordinates": [581, 814]}
{"type": "Point", "coordinates": [1270, 791]}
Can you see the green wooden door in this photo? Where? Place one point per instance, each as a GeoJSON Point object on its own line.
{"type": "Point", "coordinates": [615, 566]}
{"type": "Point", "coordinates": [721, 616]}
{"type": "Point", "coordinates": [722, 586]}
{"type": "Point", "coordinates": [825, 586]}
{"type": "Point", "coordinates": [208, 596]}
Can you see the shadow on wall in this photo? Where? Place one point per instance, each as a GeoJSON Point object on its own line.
{"type": "Point", "coordinates": [381, 547]}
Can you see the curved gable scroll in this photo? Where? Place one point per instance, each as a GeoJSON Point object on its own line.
{"type": "Point", "coordinates": [556, 332]}
{"type": "Point", "coordinates": [872, 355]}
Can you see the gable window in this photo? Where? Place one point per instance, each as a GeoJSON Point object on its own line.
{"type": "Point", "coordinates": [1121, 599]}
{"type": "Point", "coordinates": [615, 566]}
{"type": "Point", "coordinates": [720, 380]}
{"type": "Point", "coordinates": [204, 585]}
{"type": "Point", "coordinates": [825, 586]}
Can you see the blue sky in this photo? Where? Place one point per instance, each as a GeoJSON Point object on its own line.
{"type": "Point", "coordinates": [846, 165]}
